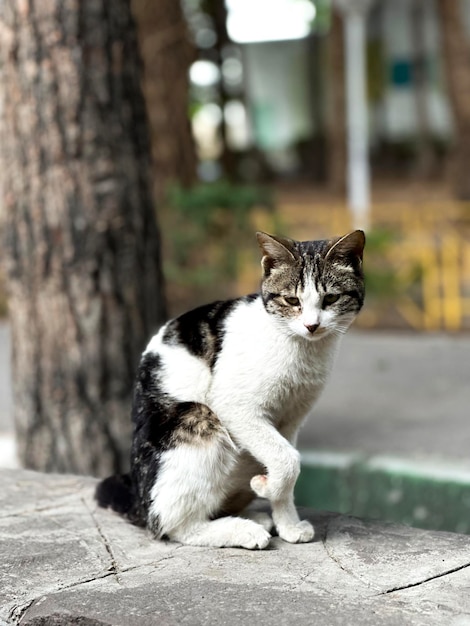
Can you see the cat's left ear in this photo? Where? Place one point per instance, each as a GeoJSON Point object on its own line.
{"type": "Point", "coordinates": [349, 248]}
{"type": "Point", "coordinates": [276, 251]}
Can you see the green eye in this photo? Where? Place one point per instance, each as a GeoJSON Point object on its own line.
{"type": "Point", "coordinates": [330, 298]}
{"type": "Point", "coordinates": [292, 301]}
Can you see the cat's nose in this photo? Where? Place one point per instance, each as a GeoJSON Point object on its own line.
{"type": "Point", "coordinates": [311, 327]}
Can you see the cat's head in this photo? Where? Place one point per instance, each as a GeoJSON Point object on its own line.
{"type": "Point", "coordinates": [313, 288]}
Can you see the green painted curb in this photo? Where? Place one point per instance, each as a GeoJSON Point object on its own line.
{"type": "Point", "coordinates": [433, 495]}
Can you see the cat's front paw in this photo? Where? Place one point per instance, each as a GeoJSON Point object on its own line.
{"type": "Point", "coordinates": [301, 532]}
{"type": "Point", "coordinates": [259, 484]}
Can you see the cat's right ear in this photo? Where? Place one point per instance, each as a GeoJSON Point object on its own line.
{"type": "Point", "coordinates": [276, 251]}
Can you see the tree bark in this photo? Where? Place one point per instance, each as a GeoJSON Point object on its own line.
{"type": "Point", "coordinates": [425, 164]}
{"type": "Point", "coordinates": [80, 237]}
{"type": "Point", "coordinates": [336, 126]}
{"type": "Point", "coordinates": [218, 12]}
{"type": "Point", "coordinates": [457, 68]}
{"type": "Point", "coordinates": [167, 54]}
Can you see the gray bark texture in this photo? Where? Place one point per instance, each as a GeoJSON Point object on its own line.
{"type": "Point", "coordinates": [80, 239]}
{"type": "Point", "coordinates": [336, 130]}
{"type": "Point", "coordinates": [456, 50]}
{"type": "Point", "coordinates": [167, 52]}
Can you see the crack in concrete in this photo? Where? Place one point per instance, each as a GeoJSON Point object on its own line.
{"type": "Point", "coordinates": [392, 589]}
{"type": "Point", "coordinates": [425, 580]}
{"type": "Point", "coordinates": [340, 565]}
{"type": "Point", "coordinates": [15, 614]}
{"type": "Point", "coordinates": [114, 567]}
{"type": "Point", "coordinates": [122, 571]}
{"type": "Point", "coordinates": [98, 577]}
{"type": "Point", "coordinates": [17, 611]}
{"type": "Point", "coordinates": [167, 557]}
{"type": "Point", "coordinates": [302, 578]}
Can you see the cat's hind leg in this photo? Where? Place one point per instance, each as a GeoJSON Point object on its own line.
{"type": "Point", "coordinates": [191, 484]}
{"type": "Point", "coordinates": [223, 532]}
{"type": "Point", "coordinates": [189, 491]}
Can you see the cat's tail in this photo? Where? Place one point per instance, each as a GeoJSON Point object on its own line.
{"type": "Point", "coordinates": [115, 492]}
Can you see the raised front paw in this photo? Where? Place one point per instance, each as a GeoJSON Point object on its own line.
{"type": "Point", "coordinates": [301, 532]}
{"type": "Point", "coordinates": [259, 484]}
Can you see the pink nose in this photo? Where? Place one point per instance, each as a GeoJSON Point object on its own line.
{"type": "Point", "coordinates": [311, 327]}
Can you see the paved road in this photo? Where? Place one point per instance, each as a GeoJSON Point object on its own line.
{"type": "Point", "coordinates": [405, 394]}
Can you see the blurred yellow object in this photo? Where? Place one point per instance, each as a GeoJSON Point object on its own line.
{"type": "Point", "coordinates": [426, 256]}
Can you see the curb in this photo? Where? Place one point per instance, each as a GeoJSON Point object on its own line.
{"type": "Point", "coordinates": [430, 494]}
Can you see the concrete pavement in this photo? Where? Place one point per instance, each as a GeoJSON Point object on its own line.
{"type": "Point", "coordinates": [64, 562]}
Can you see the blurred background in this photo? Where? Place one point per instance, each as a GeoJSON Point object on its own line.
{"type": "Point", "coordinates": [306, 118]}
{"type": "Point", "coordinates": [274, 141]}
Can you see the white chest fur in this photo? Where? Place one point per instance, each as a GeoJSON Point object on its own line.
{"type": "Point", "coordinates": [262, 366]}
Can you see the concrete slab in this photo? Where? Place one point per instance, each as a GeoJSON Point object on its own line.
{"type": "Point", "coordinates": [64, 561]}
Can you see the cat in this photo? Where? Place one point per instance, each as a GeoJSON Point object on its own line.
{"type": "Point", "coordinates": [221, 392]}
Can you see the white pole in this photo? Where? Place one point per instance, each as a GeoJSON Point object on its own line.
{"type": "Point", "coordinates": [358, 174]}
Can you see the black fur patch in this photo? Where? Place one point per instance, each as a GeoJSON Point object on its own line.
{"type": "Point", "coordinates": [161, 423]}
{"type": "Point", "coordinates": [145, 456]}
{"type": "Point", "coordinates": [201, 330]}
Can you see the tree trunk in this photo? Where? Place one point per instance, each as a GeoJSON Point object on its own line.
{"type": "Point", "coordinates": [167, 54]}
{"type": "Point", "coordinates": [81, 241]}
{"type": "Point", "coordinates": [425, 164]}
{"type": "Point", "coordinates": [336, 127]}
{"type": "Point", "coordinates": [457, 68]}
{"type": "Point", "coordinates": [218, 12]}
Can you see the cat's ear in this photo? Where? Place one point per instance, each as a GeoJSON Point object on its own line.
{"type": "Point", "coordinates": [349, 249]}
{"type": "Point", "coordinates": [276, 251]}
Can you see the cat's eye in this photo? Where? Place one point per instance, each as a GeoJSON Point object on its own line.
{"type": "Point", "coordinates": [330, 298]}
{"type": "Point", "coordinates": [292, 301]}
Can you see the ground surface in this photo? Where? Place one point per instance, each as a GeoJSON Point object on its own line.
{"type": "Point", "coordinates": [66, 562]}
